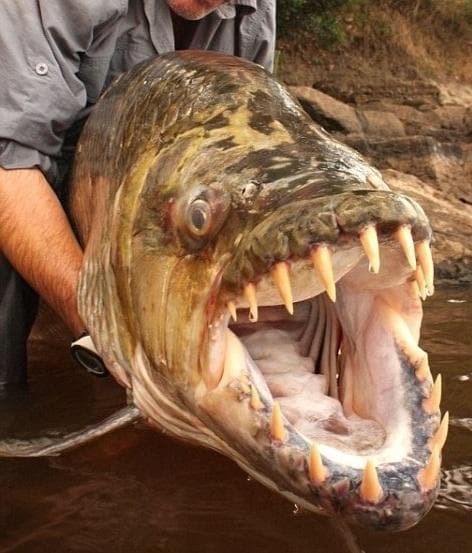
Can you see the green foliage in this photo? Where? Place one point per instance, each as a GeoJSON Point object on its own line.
{"type": "Point", "coordinates": [322, 18]}
{"type": "Point", "coordinates": [317, 17]}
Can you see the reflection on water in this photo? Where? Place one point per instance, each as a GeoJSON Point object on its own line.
{"type": "Point", "coordinates": [135, 490]}
{"type": "Point", "coordinates": [456, 489]}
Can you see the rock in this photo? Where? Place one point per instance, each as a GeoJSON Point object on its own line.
{"type": "Point", "coordinates": [415, 122]}
{"type": "Point", "coordinates": [466, 196]}
{"type": "Point", "coordinates": [443, 122]}
{"type": "Point", "coordinates": [363, 92]}
{"type": "Point", "coordinates": [443, 165]}
{"type": "Point", "coordinates": [328, 112]}
{"type": "Point", "coordinates": [455, 93]}
{"type": "Point", "coordinates": [457, 119]}
{"type": "Point", "coordinates": [335, 116]}
{"type": "Point", "coordinates": [420, 136]}
{"type": "Point", "coordinates": [381, 124]}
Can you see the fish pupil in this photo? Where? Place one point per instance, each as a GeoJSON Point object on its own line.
{"type": "Point", "coordinates": [199, 217]}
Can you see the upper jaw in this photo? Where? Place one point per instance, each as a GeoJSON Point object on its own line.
{"type": "Point", "coordinates": [365, 487]}
{"type": "Point", "coordinates": [293, 231]}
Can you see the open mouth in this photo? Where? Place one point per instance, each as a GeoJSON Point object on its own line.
{"type": "Point", "coordinates": [324, 349]}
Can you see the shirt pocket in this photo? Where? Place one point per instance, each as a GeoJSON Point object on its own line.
{"type": "Point", "coordinates": [93, 73]}
{"type": "Point", "coordinates": [131, 48]}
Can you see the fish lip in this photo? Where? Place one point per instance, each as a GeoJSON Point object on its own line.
{"type": "Point", "coordinates": [395, 510]}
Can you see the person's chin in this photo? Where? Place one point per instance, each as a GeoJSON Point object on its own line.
{"type": "Point", "coordinates": [192, 13]}
{"type": "Point", "coordinates": [192, 16]}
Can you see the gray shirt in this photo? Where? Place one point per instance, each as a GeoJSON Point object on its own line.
{"type": "Point", "coordinates": [57, 56]}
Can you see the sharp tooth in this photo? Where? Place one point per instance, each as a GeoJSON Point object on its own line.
{"type": "Point", "coordinates": [370, 243]}
{"type": "Point", "coordinates": [250, 295]}
{"type": "Point", "coordinates": [321, 257]}
{"type": "Point", "coordinates": [232, 310]}
{"type": "Point", "coordinates": [370, 489]}
{"type": "Point", "coordinates": [244, 384]}
{"type": "Point", "coordinates": [421, 282]}
{"type": "Point", "coordinates": [428, 476]}
{"type": "Point", "coordinates": [281, 278]}
{"type": "Point", "coordinates": [415, 289]}
{"type": "Point", "coordinates": [439, 439]}
{"type": "Point", "coordinates": [317, 471]}
{"type": "Point", "coordinates": [403, 235]}
{"type": "Point", "coordinates": [277, 428]}
{"type": "Point", "coordinates": [425, 259]}
{"type": "Point", "coordinates": [423, 371]}
{"type": "Point", "coordinates": [213, 365]}
{"type": "Point", "coordinates": [235, 357]}
{"type": "Point", "coordinates": [255, 401]}
{"type": "Point", "coordinates": [431, 404]}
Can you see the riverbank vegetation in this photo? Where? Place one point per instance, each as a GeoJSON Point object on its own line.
{"type": "Point", "coordinates": [431, 36]}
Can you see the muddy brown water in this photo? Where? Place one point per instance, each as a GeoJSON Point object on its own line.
{"type": "Point", "coordinates": [138, 491]}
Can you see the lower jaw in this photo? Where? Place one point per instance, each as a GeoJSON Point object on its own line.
{"type": "Point", "coordinates": [317, 406]}
{"type": "Point", "coordinates": [399, 449]}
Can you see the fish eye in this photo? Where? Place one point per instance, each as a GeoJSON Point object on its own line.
{"type": "Point", "coordinates": [199, 217]}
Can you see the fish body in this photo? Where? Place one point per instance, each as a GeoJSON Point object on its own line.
{"type": "Point", "coordinates": [256, 287]}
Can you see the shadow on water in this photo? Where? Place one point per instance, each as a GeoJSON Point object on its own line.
{"type": "Point", "coordinates": [136, 490]}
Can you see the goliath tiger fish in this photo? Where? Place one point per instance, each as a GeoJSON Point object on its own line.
{"type": "Point", "coordinates": [256, 287]}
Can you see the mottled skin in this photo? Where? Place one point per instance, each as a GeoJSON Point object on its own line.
{"type": "Point", "coordinates": [194, 126]}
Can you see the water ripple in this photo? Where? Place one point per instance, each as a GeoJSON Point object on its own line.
{"type": "Point", "coordinates": [462, 423]}
{"type": "Point", "coordinates": [456, 489]}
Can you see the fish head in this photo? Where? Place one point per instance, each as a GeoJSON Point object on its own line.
{"type": "Point", "coordinates": [257, 287]}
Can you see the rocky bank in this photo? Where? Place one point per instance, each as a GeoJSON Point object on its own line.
{"type": "Point", "coordinates": [419, 134]}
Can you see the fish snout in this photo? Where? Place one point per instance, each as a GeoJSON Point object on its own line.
{"type": "Point", "coordinates": [296, 230]}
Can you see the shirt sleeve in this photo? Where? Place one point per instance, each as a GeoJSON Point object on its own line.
{"type": "Point", "coordinates": [41, 42]}
{"type": "Point", "coordinates": [258, 30]}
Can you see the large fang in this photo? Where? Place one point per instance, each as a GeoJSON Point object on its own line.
{"type": "Point", "coordinates": [403, 235]}
{"type": "Point", "coordinates": [281, 278]}
{"type": "Point", "coordinates": [321, 257]}
{"type": "Point", "coordinates": [425, 259]}
{"type": "Point", "coordinates": [423, 371]}
{"type": "Point", "coordinates": [431, 404]}
{"type": "Point", "coordinates": [277, 428]}
{"type": "Point", "coordinates": [439, 439]}
{"type": "Point", "coordinates": [318, 472]}
{"type": "Point", "coordinates": [428, 476]}
{"type": "Point", "coordinates": [232, 310]}
{"type": "Point", "coordinates": [255, 400]}
{"type": "Point", "coordinates": [370, 243]}
{"type": "Point", "coordinates": [235, 357]}
{"type": "Point", "coordinates": [250, 295]}
{"type": "Point", "coordinates": [421, 282]}
{"type": "Point", "coordinates": [370, 489]}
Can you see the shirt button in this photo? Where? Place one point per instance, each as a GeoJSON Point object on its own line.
{"type": "Point", "coordinates": [41, 68]}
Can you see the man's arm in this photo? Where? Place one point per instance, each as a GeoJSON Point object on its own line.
{"type": "Point", "coordinates": [36, 237]}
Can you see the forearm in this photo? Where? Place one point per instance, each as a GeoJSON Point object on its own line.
{"type": "Point", "coordinates": [36, 237]}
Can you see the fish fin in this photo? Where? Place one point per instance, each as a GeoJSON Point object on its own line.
{"type": "Point", "coordinates": [42, 447]}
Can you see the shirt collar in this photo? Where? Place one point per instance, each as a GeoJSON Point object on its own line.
{"type": "Point", "coordinates": [228, 11]}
